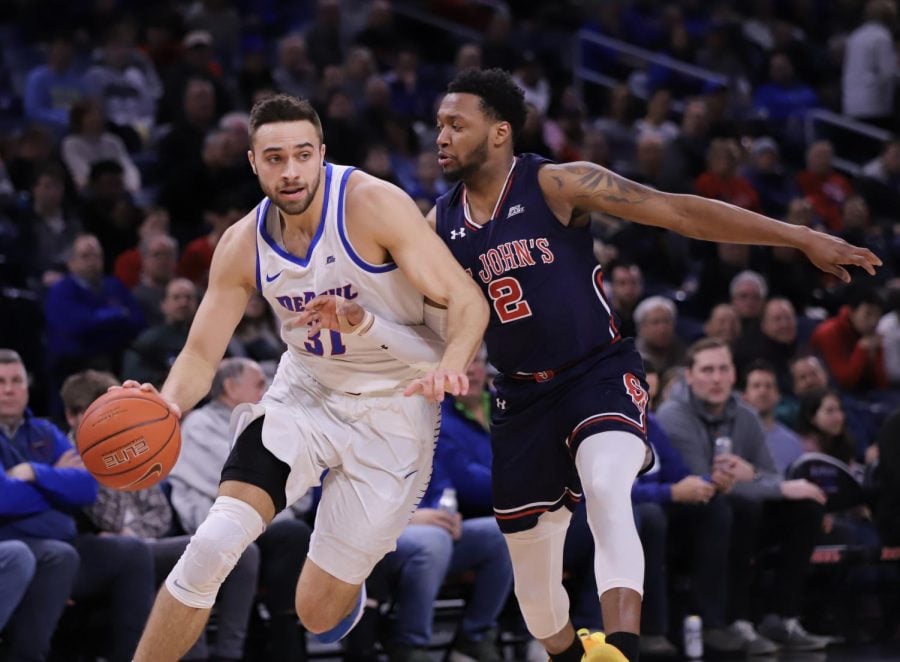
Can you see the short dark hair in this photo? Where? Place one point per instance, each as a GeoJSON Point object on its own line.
{"type": "Point", "coordinates": [284, 108]}
{"type": "Point", "coordinates": [757, 365]}
{"type": "Point", "coordinates": [501, 98]}
{"type": "Point", "coordinates": [701, 346]}
{"type": "Point", "coordinates": [82, 388]}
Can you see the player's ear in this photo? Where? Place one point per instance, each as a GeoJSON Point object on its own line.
{"type": "Point", "coordinates": [322, 154]}
{"type": "Point", "coordinates": [252, 161]}
{"type": "Point", "coordinates": [502, 132]}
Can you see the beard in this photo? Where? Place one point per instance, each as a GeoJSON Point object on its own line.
{"type": "Point", "coordinates": [464, 171]}
{"type": "Point", "coordinates": [295, 207]}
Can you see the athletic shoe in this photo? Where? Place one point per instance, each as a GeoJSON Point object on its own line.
{"type": "Point", "coordinates": [341, 630]}
{"type": "Point", "coordinates": [483, 650]}
{"type": "Point", "coordinates": [597, 650]}
{"type": "Point", "coordinates": [754, 642]}
{"type": "Point", "coordinates": [656, 646]}
{"type": "Point", "coordinates": [790, 634]}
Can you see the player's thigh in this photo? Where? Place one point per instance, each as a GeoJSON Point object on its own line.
{"type": "Point", "coordinates": [368, 500]}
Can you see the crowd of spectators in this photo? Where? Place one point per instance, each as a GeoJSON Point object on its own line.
{"type": "Point", "coordinates": [123, 140]}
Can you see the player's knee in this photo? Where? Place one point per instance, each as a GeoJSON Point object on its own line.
{"type": "Point", "coordinates": [213, 552]}
{"type": "Point", "coordinates": [544, 608]}
{"type": "Point", "coordinates": [319, 616]}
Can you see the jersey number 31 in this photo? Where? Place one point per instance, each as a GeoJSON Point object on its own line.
{"type": "Point", "coordinates": [506, 294]}
{"type": "Point", "coordinates": [315, 346]}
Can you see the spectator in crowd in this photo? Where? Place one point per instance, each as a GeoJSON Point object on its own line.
{"type": "Point", "coordinates": [183, 144]}
{"type": "Point", "coordinates": [32, 148]}
{"type": "Point", "coordinates": [108, 211]}
{"type": "Point", "coordinates": [438, 542]}
{"type": "Point", "coordinates": [154, 350]}
{"type": "Point", "coordinates": [529, 75]}
{"type": "Point", "coordinates": [412, 93]}
{"type": "Point", "coordinates": [776, 343]}
{"type": "Point", "coordinates": [159, 258]}
{"type": "Point", "coordinates": [195, 484]}
{"type": "Point", "coordinates": [617, 124]}
{"type": "Point", "coordinates": [45, 480]}
{"type": "Point", "coordinates": [849, 342]}
{"type": "Point", "coordinates": [791, 275]}
{"type": "Point", "coordinates": [870, 66]}
{"type": "Point", "coordinates": [50, 225]}
{"type": "Point", "coordinates": [294, 73]}
{"type": "Point", "coordinates": [90, 318]}
{"type": "Point", "coordinates": [128, 265]}
{"type": "Point", "coordinates": [767, 508]}
{"type": "Point", "coordinates": [761, 393]}
{"type": "Point", "coordinates": [258, 335]}
{"type": "Point", "coordinates": [825, 188]}
{"type": "Point", "coordinates": [723, 323]}
{"type": "Point", "coordinates": [748, 291]}
{"type": "Point", "coordinates": [125, 85]}
{"type": "Point", "coordinates": [89, 142]}
{"type": "Point", "coordinates": [147, 515]}
{"type": "Point", "coordinates": [880, 182]}
{"type": "Point", "coordinates": [17, 567]}
{"type": "Point", "coordinates": [222, 212]}
{"type": "Point", "coordinates": [769, 178]}
{"type": "Point", "coordinates": [722, 181]}
{"type": "Point", "coordinates": [784, 100]}
{"type": "Point", "coordinates": [889, 330]}
{"type": "Point", "coordinates": [654, 318]}
{"type": "Point", "coordinates": [359, 67]}
{"type": "Point", "coordinates": [822, 424]}
{"type": "Point", "coordinates": [32, 473]}
{"type": "Point", "coordinates": [626, 288]}
{"type": "Point", "coordinates": [887, 499]}
{"type": "Point", "coordinates": [197, 63]}
{"type": "Point", "coordinates": [649, 160]}
{"type": "Point", "coordinates": [686, 153]}
{"type": "Point", "coordinates": [52, 88]}
{"type": "Point", "coordinates": [656, 122]}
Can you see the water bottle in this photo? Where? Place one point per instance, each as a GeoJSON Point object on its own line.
{"type": "Point", "coordinates": [448, 502]}
{"type": "Point", "coordinates": [722, 445]}
{"type": "Point", "coordinates": [693, 637]}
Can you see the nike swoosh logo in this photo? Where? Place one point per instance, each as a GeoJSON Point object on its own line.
{"type": "Point", "coordinates": [414, 471]}
{"type": "Point", "coordinates": [269, 278]}
{"type": "Point", "coordinates": [184, 588]}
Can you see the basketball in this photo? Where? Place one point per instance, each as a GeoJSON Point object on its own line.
{"type": "Point", "coordinates": [128, 439]}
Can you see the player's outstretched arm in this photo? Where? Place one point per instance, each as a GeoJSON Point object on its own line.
{"type": "Point", "coordinates": [428, 264]}
{"type": "Point", "coordinates": [231, 281]}
{"type": "Point", "coordinates": [571, 188]}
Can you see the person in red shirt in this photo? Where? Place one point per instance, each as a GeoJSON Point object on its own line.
{"type": "Point", "coordinates": [128, 265]}
{"type": "Point", "coordinates": [721, 180]}
{"type": "Point", "coordinates": [197, 255]}
{"type": "Point", "coordinates": [850, 345]}
{"type": "Point", "coordinates": [825, 188]}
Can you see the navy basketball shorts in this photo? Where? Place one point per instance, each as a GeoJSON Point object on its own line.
{"type": "Point", "coordinates": [536, 429]}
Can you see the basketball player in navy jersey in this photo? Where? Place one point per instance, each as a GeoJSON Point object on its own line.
{"type": "Point", "coordinates": [570, 411]}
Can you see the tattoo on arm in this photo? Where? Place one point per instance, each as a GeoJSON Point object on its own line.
{"type": "Point", "coordinates": [594, 182]}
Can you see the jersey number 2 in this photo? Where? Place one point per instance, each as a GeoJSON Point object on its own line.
{"type": "Point", "coordinates": [315, 346]}
{"type": "Point", "coordinates": [506, 293]}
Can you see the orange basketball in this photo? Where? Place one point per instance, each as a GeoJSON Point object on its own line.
{"type": "Point", "coordinates": [129, 439]}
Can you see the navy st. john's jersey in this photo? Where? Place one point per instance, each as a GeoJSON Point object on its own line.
{"type": "Point", "coordinates": [541, 278]}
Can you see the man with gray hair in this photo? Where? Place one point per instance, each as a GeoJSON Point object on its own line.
{"type": "Point", "coordinates": [748, 291]}
{"type": "Point", "coordinates": [206, 443]}
{"type": "Point", "coordinates": [656, 340]}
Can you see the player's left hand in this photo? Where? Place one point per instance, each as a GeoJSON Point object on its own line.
{"type": "Point", "coordinates": [829, 253]}
{"type": "Point", "coordinates": [328, 311]}
{"type": "Point", "coordinates": [437, 382]}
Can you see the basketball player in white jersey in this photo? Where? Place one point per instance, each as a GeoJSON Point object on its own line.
{"type": "Point", "coordinates": [337, 399]}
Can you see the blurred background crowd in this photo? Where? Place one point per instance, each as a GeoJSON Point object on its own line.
{"type": "Point", "coordinates": [123, 140]}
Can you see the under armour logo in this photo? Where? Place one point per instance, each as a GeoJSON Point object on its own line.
{"type": "Point", "coordinates": [501, 404]}
{"type": "Point", "coordinates": [455, 234]}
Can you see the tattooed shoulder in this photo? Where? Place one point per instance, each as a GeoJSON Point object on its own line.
{"type": "Point", "coordinates": [592, 181]}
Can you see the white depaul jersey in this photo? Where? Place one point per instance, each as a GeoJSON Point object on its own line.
{"type": "Point", "coordinates": [331, 266]}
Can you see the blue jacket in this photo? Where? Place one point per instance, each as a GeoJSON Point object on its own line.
{"type": "Point", "coordinates": [462, 460]}
{"type": "Point", "coordinates": [82, 323]}
{"type": "Point", "coordinates": [40, 509]}
{"type": "Point", "coordinates": [668, 469]}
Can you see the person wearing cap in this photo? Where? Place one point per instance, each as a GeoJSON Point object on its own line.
{"type": "Point", "coordinates": [766, 173]}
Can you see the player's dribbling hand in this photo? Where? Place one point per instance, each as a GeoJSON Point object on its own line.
{"type": "Point", "coordinates": [149, 388]}
{"type": "Point", "coordinates": [437, 382]}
